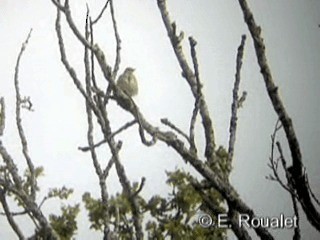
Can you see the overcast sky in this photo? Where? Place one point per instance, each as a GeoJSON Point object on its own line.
{"type": "Point", "coordinates": [58, 125]}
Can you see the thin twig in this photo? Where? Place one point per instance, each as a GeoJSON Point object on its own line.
{"type": "Point", "coordinates": [85, 149]}
{"type": "Point", "coordinates": [73, 26]}
{"type": "Point", "coordinates": [311, 192]}
{"type": "Point", "coordinates": [124, 127]}
{"type": "Point", "coordinates": [118, 42]}
{"type": "Point", "coordinates": [140, 187]}
{"type": "Point", "coordinates": [110, 163]}
{"type": "Point", "coordinates": [101, 13]}
{"type": "Point", "coordinates": [274, 163]}
{"type": "Point", "coordinates": [93, 76]}
{"type": "Point", "coordinates": [166, 122]}
{"type": "Point", "coordinates": [58, 5]}
{"type": "Point", "coordinates": [22, 136]}
{"type": "Point", "coordinates": [198, 96]}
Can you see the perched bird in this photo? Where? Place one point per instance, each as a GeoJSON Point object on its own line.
{"type": "Point", "coordinates": [127, 82]}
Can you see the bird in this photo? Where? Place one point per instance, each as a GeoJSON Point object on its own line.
{"type": "Point", "coordinates": [127, 82]}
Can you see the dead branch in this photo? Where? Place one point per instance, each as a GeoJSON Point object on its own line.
{"type": "Point", "coordinates": [198, 97]}
{"type": "Point", "coordinates": [300, 186]}
{"type": "Point", "coordinates": [101, 13]}
{"type": "Point", "coordinates": [118, 41]}
{"type": "Point", "coordinates": [275, 163]}
{"type": "Point", "coordinates": [166, 122]}
{"type": "Point", "coordinates": [9, 215]}
{"type": "Point", "coordinates": [22, 136]}
{"type": "Point", "coordinates": [190, 78]}
{"type": "Point", "coordinates": [234, 105]}
{"type": "Point", "coordinates": [94, 157]}
{"type": "Point", "coordinates": [311, 192]}
{"type": "Point", "coordinates": [2, 115]}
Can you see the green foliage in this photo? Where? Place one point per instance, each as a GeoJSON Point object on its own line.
{"type": "Point", "coordinates": [61, 193]}
{"type": "Point", "coordinates": [171, 217]}
{"type": "Point", "coordinates": [65, 225]}
{"type": "Point", "coordinates": [27, 183]}
{"type": "Point", "coordinates": [221, 164]}
{"type": "Point", "coordinates": [96, 211]}
{"type": "Point", "coordinates": [116, 213]}
{"type": "Point", "coordinates": [175, 217]}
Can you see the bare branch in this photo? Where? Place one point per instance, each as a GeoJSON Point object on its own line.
{"type": "Point", "coordinates": [274, 163]}
{"type": "Point", "coordinates": [298, 175]}
{"type": "Point", "coordinates": [291, 190]}
{"type": "Point", "coordinates": [234, 106]}
{"type": "Point", "coordinates": [118, 41]}
{"type": "Point", "coordinates": [141, 185]}
{"type": "Point", "coordinates": [9, 216]}
{"type": "Point", "coordinates": [73, 26]}
{"type": "Point", "coordinates": [297, 234]}
{"type": "Point", "coordinates": [311, 192]}
{"type": "Point", "coordinates": [22, 136]}
{"type": "Point", "coordinates": [70, 70]}
{"type": "Point", "coordinates": [2, 115]}
{"type": "Point", "coordinates": [190, 78]}
{"type": "Point", "coordinates": [121, 129]}
{"type": "Point", "coordinates": [101, 13]}
{"type": "Point", "coordinates": [88, 109]}
{"type": "Point", "coordinates": [198, 96]}
{"type": "Point", "coordinates": [192, 126]}
{"type": "Point", "coordinates": [166, 122]}
{"type": "Point", "coordinates": [124, 127]}
{"type": "Point", "coordinates": [110, 163]}
{"type": "Point", "coordinates": [93, 76]}
{"type": "Point", "coordinates": [85, 149]}
{"type": "Point", "coordinates": [58, 5]}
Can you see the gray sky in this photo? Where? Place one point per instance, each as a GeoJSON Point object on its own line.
{"type": "Point", "coordinates": [58, 125]}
